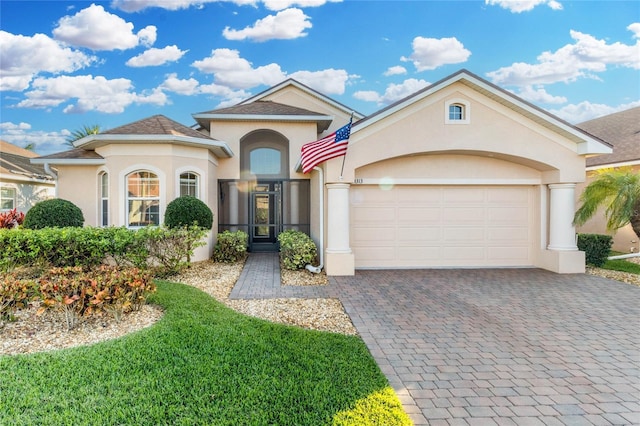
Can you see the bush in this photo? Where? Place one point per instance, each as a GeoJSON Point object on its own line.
{"type": "Point", "coordinates": [14, 294]}
{"type": "Point", "coordinates": [297, 249]}
{"type": "Point", "coordinates": [596, 248]}
{"type": "Point", "coordinates": [188, 211]}
{"type": "Point", "coordinates": [169, 250]}
{"type": "Point", "coordinates": [231, 246]}
{"type": "Point", "coordinates": [53, 213]}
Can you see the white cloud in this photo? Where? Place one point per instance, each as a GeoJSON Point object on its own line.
{"type": "Point", "coordinates": [393, 93]}
{"type": "Point", "coordinates": [285, 25]}
{"type": "Point", "coordinates": [539, 95]}
{"type": "Point", "coordinates": [156, 56]}
{"type": "Point", "coordinates": [181, 86]}
{"type": "Point", "coordinates": [91, 94]}
{"type": "Point", "coordinates": [138, 5]}
{"type": "Point", "coordinates": [230, 70]}
{"type": "Point", "coordinates": [22, 58]}
{"type": "Point", "coordinates": [635, 29]}
{"type": "Point", "coordinates": [284, 4]}
{"type": "Point", "coordinates": [396, 70]}
{"type": "Point", "coordinates": [329, 81]}
{"type": "Point", "coordinates": [431, 53]}
{"type": "Point", "coordinates": [98, 29]}
{"type": "Point", "coordinates": [44, 142]}
{"type": "Point", "coordinates": [518, 6]}
{"type": "Point", "coordinates": [584, 58]}
{"type": "Point", "coordinates": [585, 111]}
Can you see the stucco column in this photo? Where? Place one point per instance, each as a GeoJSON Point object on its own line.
{"type": "Point", "coordinates": [294, 201]}
{"type": "Point", "coordinates": [339, 259]}
{"type": "Point", "coordinates": [233, 205]}
{"type": "Point", "coordinates": [562, 233]}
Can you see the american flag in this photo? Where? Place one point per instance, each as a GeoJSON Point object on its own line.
{"type": "Point", "coordinates": [332, 146]}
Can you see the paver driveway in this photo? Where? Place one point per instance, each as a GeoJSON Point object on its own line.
{"type": "Point", "coordinates": [507, 346]}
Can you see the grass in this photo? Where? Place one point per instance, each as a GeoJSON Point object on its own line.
{"type": "Point", "coordinates": [622, 266]}
{"type": "Point", "coordinates": [203, 363]}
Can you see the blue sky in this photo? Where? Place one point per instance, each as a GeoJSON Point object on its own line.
{"type": "Point", "coordinates": [66, 65]}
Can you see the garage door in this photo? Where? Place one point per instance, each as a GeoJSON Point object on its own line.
{"type": "Point", "coordinates": [442, 226]}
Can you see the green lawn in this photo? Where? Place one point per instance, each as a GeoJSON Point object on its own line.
{"type": "Point", "coordinates": [622, 265]}
{"type": "Point", "coordinates": [202, 364]}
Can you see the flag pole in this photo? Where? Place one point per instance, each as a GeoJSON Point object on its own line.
{"type": "Point", "coordinates": [344, 157]}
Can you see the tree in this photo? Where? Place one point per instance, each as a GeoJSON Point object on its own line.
{"type": "Point", "coordinates": [618, 191]}
{"type": "Point", "coordinates": [81, 133]}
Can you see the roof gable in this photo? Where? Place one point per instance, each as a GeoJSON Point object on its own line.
{"type": "Point", "coordinates": [587, 143]}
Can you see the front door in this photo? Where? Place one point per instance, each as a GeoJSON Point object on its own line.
{"type": "Point", "coordinates": [265, 216]}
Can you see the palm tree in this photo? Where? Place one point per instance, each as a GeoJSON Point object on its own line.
{"type": "Point", "coordinates": [81, 133]}
{"type": "Point", "coordinates": [618, 191]}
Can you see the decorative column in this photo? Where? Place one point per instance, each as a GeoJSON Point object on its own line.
{"type": "Point", "coordinates": [562, 233]}
{"type": "Point", "coordinates": [233, 205]}
{"type": "Point", "coordinates": [339, 257]}
{"type": "Point", "coordinates": [295, 205]}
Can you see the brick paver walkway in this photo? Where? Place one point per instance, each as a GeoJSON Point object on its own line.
{"type": "Point", "coordinates": [494, 346]}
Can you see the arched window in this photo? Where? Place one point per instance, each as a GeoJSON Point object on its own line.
{"type": "Point", "coordinates": [457, 111]}
{"type": "Point", "coordinates": [143, 199]}
{"type": "Point", "coordinates": [265, 161]}
{"type": "Point", "coordinates": [190, 184]}
{"type": "Point", "coordinates": [104, 199]}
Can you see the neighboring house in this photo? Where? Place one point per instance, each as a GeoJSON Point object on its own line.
{"type": "Point", "coordinates": [622, 130]}
{"type": "Point", "coordinates": [459, 174]}
{"type": "Point", "coordinates": [22, 184]}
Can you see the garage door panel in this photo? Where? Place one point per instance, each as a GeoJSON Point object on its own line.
{"type": "Point", "coordinates": [443, 226]}
{"type": "Point", "coordinates": [419, 215]}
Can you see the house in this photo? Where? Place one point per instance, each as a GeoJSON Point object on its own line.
{"type": "Point", "coordinates": [22, 184]}
{"type": "Point", "coordinates": [622, 130]}
{"type": "Point", "coordinates": [459, 174]}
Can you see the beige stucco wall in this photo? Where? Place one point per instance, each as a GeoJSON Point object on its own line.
{"type": "Point", "coordinates": [28, 193]}
{"type": "Point", "coordinates": [165, 160]}
{"type": "Point", "coordinates": [624, 239]}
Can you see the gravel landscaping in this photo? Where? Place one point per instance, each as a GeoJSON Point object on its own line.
{"type": "Point", "coordinates": [32, 333]}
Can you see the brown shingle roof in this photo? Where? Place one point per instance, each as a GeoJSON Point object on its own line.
{"type": "Point", "coordinates": [73, 154]}
{"type": "Point", "coordinates": [156, 125]}
{"type": "Point", "coordinates": [264, 108]}
{"type": "Point", "coordinates": [620, 129]}
{"type": "Point", "coordinates": [16, 161]}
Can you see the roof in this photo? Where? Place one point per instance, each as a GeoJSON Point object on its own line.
{"type": "Point", "coordinates": [15, 163]}
{"type": "Point", "coordinates": [622, 130]}
{"type": "Point", "coordinates": [156, 129]}
{"type": "Point", "coordinates": [587, 143]}
{"type": "Point", "coordinates": [264, 111]}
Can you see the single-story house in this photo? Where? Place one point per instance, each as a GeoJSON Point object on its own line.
{"type": "Point", "coordinates": [22, 184]}
{"type": "Point", "coordinates": [622, 130]}
{"type": "Point", "coordinates": [460, 174]}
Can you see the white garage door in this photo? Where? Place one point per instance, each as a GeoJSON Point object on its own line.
{"type": "Point", "coordinates": [442, 226]}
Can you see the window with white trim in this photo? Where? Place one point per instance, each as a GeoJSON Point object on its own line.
{"type": "Point", "coordinates": [143, 199]}
{"type": "Point", "coordinates": [7, 198]}
{"type": "Point", "coordinates": [457, 111]}
{"type": "Point", "coordinates": [104, 199]}
{"type": "Point", "coordinates": [189, 184]}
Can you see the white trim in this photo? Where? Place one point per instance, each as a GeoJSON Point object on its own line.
{"type": "Point", "coordinates": [444, 181]}
{"type": "Point", "coordinates": [70, 161]}
{"type": "Point", "coordinates": [4, 177]}
{"type": "Point", "coordinates": [15, 195]}
{"type": "Point", "coordinates": [220, 148]}
{"type": "Point", "coordinates": [613, 165]}
{"type": "Point", "coordinates": [264, 117]}
{"type": "Point", "coordinates": [102, 171]}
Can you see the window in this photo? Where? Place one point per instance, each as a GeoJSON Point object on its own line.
{"type": "Point", "coordinates": [265, 161]}
{"type": "Point", "coordinates": [457, 111]}
{"type": "Point", "coordinates": [189, 184]}
{"type": "Point", "coordinates": [104, 199]}
{"type": "Point", "coordinates": [143, 199]}
{"type": "Point", "coordinates": [7, 198]}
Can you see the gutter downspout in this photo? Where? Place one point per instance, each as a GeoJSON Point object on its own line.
{"type": "Point", "coordinates": [311, 268]}
{"type": "Point", "coordinates": [47, 170]}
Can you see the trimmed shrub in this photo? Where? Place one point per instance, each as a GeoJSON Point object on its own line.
{"type": "Point", "coordinates": [188, 211]}
{"type": "Point", "coordinates": [231, 246]}
{"type": "Point", "coordinates": [170, 249]}
{"type": "Point", "coordinates": [297, 249]}
{"type": "Point", "coordinates": [53, 213]}
{"type": "Point", "coordinates": [596, 248]}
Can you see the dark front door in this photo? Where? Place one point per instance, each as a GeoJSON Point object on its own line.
{"type": "Point", "coordinates": [265, 216]}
